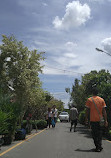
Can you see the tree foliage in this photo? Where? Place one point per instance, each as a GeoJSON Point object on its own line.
{"type": "Point", "coordinates": [19, 79]}
{"type": "Point", "coordinates": [9, 114]}
{"type": "Point", "coordinates": [58, 103]}
{"type": "Point", "coordinates": [82, 90]}
{"type": "Point", "coordinates": [19, 68]}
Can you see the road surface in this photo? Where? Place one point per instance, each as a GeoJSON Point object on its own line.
{"type": "Point", "coordinates": [57, 143]}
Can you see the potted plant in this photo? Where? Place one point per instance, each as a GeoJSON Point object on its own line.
{"type": "Point", "coordinates": [8, 118]}
{"type": "Point", "coordinates": [7, 127]}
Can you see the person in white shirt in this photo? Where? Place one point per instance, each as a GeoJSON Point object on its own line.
{"type": "Point", "coordinates": [55, 113]}
{"type": "Point", "coordinates": [49, 117]}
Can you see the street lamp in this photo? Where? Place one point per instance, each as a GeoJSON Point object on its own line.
{"type": "Point", "coordinates": [100, 50]}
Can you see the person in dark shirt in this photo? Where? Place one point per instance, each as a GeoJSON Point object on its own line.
{"type": "Point", "coordinates": [73, 117]}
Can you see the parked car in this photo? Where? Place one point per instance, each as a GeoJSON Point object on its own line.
{"type": "Point", "coordinates": [64, 116]}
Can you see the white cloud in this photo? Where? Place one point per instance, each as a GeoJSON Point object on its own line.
{"type": "Point", "coordinates": [71, 44]}
{"type": "Point", "coordinates": [70, 55]}
{"type": "Point", "coordinates": [62, 96]}
{"type": "Point", "coordinates": [106, 43]}
{"type": "Point", "coordinates": [45, 4]}
{"type": "Point", "coordinates": [66, 61]}
{"type": "Point", "coordinates": [62, 59]}
{"type": "Point", "coordinates": [96, 0]}
{"type": "Point", "coordinates": [100, 1]}
{"type": "Point", "coordinates": [52, 70]}
{"type": "Point", "coordinates": [34, 14]}
{"type": "Point", "coordinates": [76, 15]}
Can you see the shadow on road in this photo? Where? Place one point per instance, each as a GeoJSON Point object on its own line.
{"type": "Point", "coordinates": [82, 130]}
{"type": "Point", "coordinates": [85, 131]}
{"type": "Point", "coordinates": [81, 150]}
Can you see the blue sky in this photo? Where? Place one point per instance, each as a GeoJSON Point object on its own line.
{"type": "Point", "coordinates": [67, 31]}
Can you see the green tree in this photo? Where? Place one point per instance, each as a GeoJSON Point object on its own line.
{"type": "Point", "coordinates": [9, 115]}
{"type": "Point", "coordinates": [95, 78]}
{"type": "Point", "coordinates": [58, 103]}
{"type": "Point", "coordinates": [77, 95]}
{"type": "Point", "coordinates": [82, 90]}
{"type": "Point", "coordinates": [20, 68]}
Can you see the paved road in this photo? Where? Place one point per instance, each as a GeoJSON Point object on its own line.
{"type": "Point", "coordinates": [59, 143]}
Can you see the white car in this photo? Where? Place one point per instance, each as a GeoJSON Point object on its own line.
{"type": "Point", "coordinates": [64, 116]}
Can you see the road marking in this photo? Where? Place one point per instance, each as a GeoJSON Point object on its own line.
{"type": "Point", "coordinates": [108, 140]}
{"type": "Point", "coordinates": [21, 143]}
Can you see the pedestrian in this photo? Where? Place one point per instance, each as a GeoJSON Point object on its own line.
{"type": "Point", "coordinates": [95, 107]}
{"type": "Point", "coordinates": [73, 117]}
{"type": "Point", "coordinates": [55, 113]}
{"type": "Point", "coordinates": [46, 117]}
{"type": "Point", "coordinates": [49, 117]}
{"type": "Point", "coordinates": [53, 120]}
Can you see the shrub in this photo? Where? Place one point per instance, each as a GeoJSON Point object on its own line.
{"type": "Point", "coordinates": [27, 125]}
{"type": "Point", "coordinates": [82, 117]}
{"type": "Point", "coordinates": [108, 135]}
{"type": "Point", "coordinates": [7, 126]}
{"type": "Point", "coordinates": [34, 123]}
{"type": "Point", "coordinates": [9, 114]}
{"type": "Point", "coordinates": [41, 124]}
{"type": "Point", "coordinates": [110, 132]}
{"type": "Point", "coordinates": [3, 123]}
{"type": "Point", "coordinates": [24, 123]}
{"type": "Point", "coordinates": [7, 123]}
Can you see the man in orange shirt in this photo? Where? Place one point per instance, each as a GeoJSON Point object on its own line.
{"type": "Point", "coordinates": [95, 118]}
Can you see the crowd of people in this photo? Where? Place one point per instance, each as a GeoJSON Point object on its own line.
{"type": "Point", "coordinates": [51, 116]}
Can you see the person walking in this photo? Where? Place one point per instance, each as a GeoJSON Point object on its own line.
{"type": "Point", "coordinates": [73, 117]}
{"type": "Point", "coordinates": [53, 120]}
{"type": "Point", "coordinates": [95, 108]}
{"type": "Point", "coordinates": [55, 113]}
{"type": "Point", "coordinates": [49, 116]}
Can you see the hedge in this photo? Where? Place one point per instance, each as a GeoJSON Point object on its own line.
{"type": "Point", "coordinates": [39, 124]}
{"type": "Point", "coordinates": [82, 117]}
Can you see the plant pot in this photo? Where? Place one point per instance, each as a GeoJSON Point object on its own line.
{"type": "Point", "coordinates": [20, 134]}
{"type": "Point", "coordinates": [7, 140]}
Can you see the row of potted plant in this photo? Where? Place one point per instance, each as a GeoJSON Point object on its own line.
{"type": "Point", "coordinates": [19, 132]}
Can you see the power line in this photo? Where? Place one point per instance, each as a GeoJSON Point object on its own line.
{"type": "Point", "coordinates": [64, 70]}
